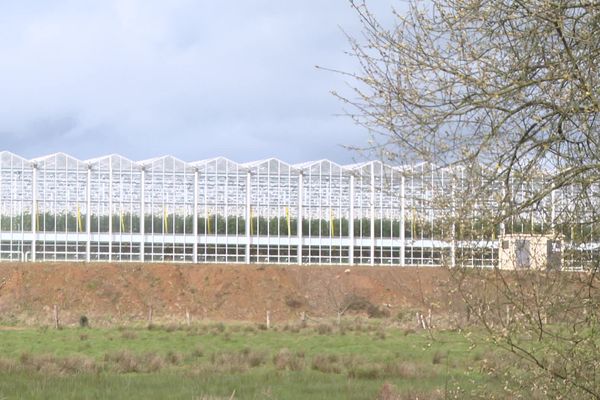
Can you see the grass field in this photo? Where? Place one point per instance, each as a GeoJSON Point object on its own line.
{"type": "Point", "coordinates": [212, 361]}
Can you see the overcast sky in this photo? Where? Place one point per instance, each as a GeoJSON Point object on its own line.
{"type": "Point", "coordinates": [192, 78]}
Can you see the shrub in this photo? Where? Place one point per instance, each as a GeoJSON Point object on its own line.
{"type": "Point", "coordinates": [198, 352]}
{"type": "Point", "coordinates": [174, 357]}
{"type": "Point", "coordinates": [365, 371]}
{"type": "Point", "coordinates": [256, 358]}
{"type": "Point", "coordinates": [124, 361]}
{"type": "Point", "coordinates": [129, 335]}
{"type": "Point", "coordinates": [84, 322]}
{"type": "Point", "coordinates": [326, 364]}
{"type": "Point", "coordinates": [355, 303]}
{"type": "Point", "coordinates": [324, 329]}
{"type": "Point", "coordinates": [402, 370]}
{"type": "Point", "coordinates": [285, 360]}
{"type": "Point", "coordinates": [262, 327]}
{"type": "Point", "coordinates": [374, 311]}
{"type": "Point", "coordinates": [8, 365]}
{"type": "Point", "coordinates": [438, 357]}
{"type": "Point", "coordinates": [293, 301]}
{"type": "Point", "coordinates": [153, 362]}
{"type": "Point", "coordinates": [250, 329]}
{"type": "Point", "coordinates": [380, 335]}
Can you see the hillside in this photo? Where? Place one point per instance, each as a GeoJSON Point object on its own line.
{"type": "Point", "coordinates": [123, 293]}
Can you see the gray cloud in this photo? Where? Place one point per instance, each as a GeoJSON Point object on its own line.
{"type": "Point", "coordinates": [195, 79]}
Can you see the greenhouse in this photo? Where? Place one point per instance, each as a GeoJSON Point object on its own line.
{"type": "Point", "coordinates": [111, 208]}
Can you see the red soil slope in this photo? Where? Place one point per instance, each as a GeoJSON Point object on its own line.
{"type": "Point", "coordinates": [123, 293]}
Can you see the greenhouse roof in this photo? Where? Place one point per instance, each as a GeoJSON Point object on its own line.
{"type": "Point", "coordinates": [216, 164]}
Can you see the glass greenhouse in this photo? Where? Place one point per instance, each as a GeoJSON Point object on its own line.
{"type": "Point", "coordinates": [110, 208]}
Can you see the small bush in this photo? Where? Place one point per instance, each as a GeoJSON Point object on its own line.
{"type": "Point", "coordinates": [124, 361]}
{"type": "Point", "coordinates": [8, 365]}
{"type": "Point", "coordinates": [409, 331]}
{"type": "Point", "coordinates": [326, 364]}
{"type": "Point", "coordinates": [374, 311]}
{"type": "Point", "coordinates": [293, 301]}
{"type": "Point", "coordinates": [84, 322]}
{"type": "Point", "coordinates": [438, 357]}
{"type": "Point", "coordinates": [256, 358]}
{"type": "Point", "coordinates": [354, 302]}
{"type": "Point", "coordinates": [153, 362]}
{"type": "Point", "coordinates": [129, 335]}
{"type": "Point", "coordinates": [285, 360]}
{"type": "Point", "coordinates": [388, 392]}
{"type": "Point", "coordinates": [198, 352]}
{"type": "Point", "coordinates": [324, 329]}
{"type": "Point", "coordinates": [365, 371]}
{"type": "Point", "coordinates": [174, 357]}
{"type": "Point", "coordinates": [226, 362]}
{"type": "Point", "coordinates": [402, 370]}
{"type": "Point", "coordinates": [220, 327]}
{"type": "Point", "coordinates": [76, 365]}
{"type": "Point", "coordinates": [380, 335]}
{"type": "Point", "coordinates": [250, 329]}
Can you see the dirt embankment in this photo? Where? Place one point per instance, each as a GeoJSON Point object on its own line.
{"type": "Point", "coordinates": [123, 293]}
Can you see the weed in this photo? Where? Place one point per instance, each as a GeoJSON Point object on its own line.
{"type": "Point", "coordinates": [174, 357]}
{"type": "Point", "coordinates": [219, 327]}
{"type": "Point", "coordinates": [8, 365]}
{"type": "Point", "coordinates": [365, 371]}
{"type": "Point", "coordinates": [374, 311]}
{"type": "Point", "coordinates": [198, 352]}
{"type": "Point", "coordinates": [324, 329]}
{"type": "Point", "coordinates": [327, 364]}
{"type": "Point", "coordinates": [286, 360]}
{"type": "Point", "coordinates": [129, 335]}
{"type": "Point", "coordinates": [438, 357]}
{"type": "Point", "coordinates": [401, 369]}
{"type": "Point", "coordinates": [262, 327]}
{"type": "Point", "coordinates": [153, 362]}
{"type": "Point", "coordinates": [250, 329]}
{"type": "Point", "coordinates": [124, 361]}
{"type": "Point", "coordinates": [380, 335]}
{"type": "Point", "coordinates": [256, 358]}
{"type": "Point", "coordinates": [409, 331]}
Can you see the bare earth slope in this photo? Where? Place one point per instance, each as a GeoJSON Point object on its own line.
{"type": "Point", "coordinates": [123, 293]}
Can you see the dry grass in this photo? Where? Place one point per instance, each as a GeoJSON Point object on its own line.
{"type": "Point", "coordinates": [391, 392]}
{"type": "Point", "coordinates": [129, 335]}
{"type": "Point", "coordinates": [328, 364]}
{"type": "Point", "coordinates": [286, 360]}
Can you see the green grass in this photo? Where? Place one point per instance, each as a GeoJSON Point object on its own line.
{"type": "Point", "coordinates": [215, 360]}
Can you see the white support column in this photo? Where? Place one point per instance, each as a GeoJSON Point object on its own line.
{"type": "Point", "coordinates": [351, 223]}
{"type": "Point", "coordinates": [110, 208]}
{"type": "Point", "coordinates": [553, 212]}
{"type": "Point", "coordinates": [300, 215]}
{"type": "Point", "coordinates": [372, 214]}
{"type": "Point", "coordinates": [248, 216]}
{"type": "Point", "coordinates": [88, 215]}
{"type": "Point", "coordinates": [502, 224]}
{"type": "Point", "coordinates": [453, 228]}
{"type": "Point", "coordinates": [34, 214]}
{"type": "Point", "coordinates": [402, 222]}
{"type": "Point", "coordinates": [142, 214]}
{"type": "Point", "coordinates": [195, 225]}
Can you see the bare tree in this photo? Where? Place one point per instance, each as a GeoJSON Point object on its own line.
{"type": "Point", "coordinates": [509, 90]}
